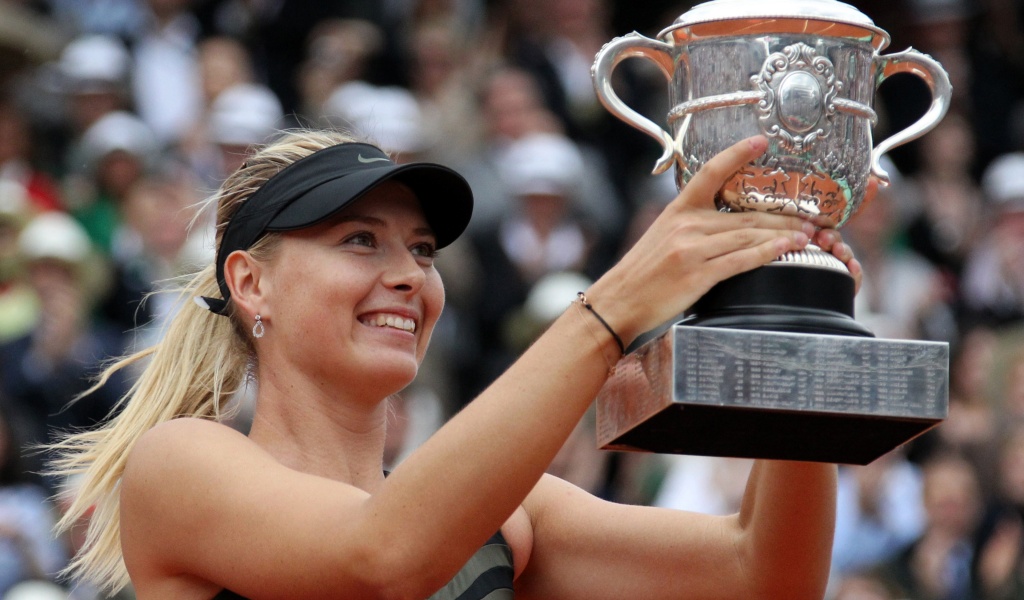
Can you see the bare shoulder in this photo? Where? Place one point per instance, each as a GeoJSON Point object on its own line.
{"type": "Point", "coordinates": [184, 447]}
{"type": "Point", "coordinates": [170, 475]}
{"type": "Point", "coordinates": [186, 432]}
{"type": "Point", "coordinates": [204, 508]}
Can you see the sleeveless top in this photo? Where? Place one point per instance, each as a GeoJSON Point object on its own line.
{"type": "Point", "coordinates": [486, 576]}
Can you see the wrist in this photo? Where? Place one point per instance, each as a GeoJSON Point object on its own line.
{"type": "Point", "coordinates": [607, 341]}
{"type": "Point", "coordinates": [605, 301]}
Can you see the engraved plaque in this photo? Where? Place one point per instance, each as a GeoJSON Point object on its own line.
{"type": "Point", "coordinates": [761, 394]}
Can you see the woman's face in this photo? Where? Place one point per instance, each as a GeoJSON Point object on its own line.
{"type": "Point", "coordinates": [353, 301]}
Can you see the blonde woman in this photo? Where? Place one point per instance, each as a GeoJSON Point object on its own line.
{"type": "Point", "coordinates": [325, 293]}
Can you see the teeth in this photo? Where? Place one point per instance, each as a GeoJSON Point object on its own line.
{"type": "Point", "coordinates": [392, 321]}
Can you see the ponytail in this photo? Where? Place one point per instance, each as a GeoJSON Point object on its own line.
{"type": "Point", "coordinates": [192, 372]}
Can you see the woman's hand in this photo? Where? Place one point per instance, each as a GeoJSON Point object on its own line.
{"type": "Point", "coordinates": [692, 246]}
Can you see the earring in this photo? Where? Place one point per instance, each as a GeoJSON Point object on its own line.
{"type": "Point", "coordinates": [258, 330]}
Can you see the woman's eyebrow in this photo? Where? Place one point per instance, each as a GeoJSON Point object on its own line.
{"type": "Point", "coordinates": [360, 219]}
{"type": "Point", "coordinates": [425, 231]}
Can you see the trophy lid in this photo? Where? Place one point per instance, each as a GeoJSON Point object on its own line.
{"type": "Point", "coordinates": [743, 17]}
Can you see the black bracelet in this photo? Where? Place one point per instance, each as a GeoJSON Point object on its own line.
{"type": "Point", "coordinates": [586, 304]}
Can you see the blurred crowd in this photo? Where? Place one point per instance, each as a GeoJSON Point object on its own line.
{"type": "Point", "coordinates": [118, 117]}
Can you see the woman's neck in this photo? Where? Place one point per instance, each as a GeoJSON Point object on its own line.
{"type": "Point", "coordinates": [333, 437]}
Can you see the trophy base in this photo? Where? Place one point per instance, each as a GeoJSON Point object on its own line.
{"type": "Point", "coordinates": [778, 395]}
{"type": "Point", "coordinates": [789, 297]}
{"type": "Point", "coordinates": [768, 434]}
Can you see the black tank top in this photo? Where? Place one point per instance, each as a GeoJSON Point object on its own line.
{"type": "Point", "coordinates": [488, 574]}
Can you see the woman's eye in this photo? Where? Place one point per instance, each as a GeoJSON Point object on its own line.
{"type": "Point", "coordinates": [425, 249]}
{"type": "Point", "coordinates": [363, 238]}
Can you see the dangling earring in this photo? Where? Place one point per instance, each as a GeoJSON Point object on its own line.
{"type": "Point", "coordinates": [258, 330]}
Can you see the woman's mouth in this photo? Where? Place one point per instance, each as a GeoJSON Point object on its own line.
{"type": "Point", "coordinates": [389, 320]}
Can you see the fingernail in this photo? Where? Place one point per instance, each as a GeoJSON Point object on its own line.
{"type": "Point", "coordinates": [808, 228]}
{"type": "Point", "coordinates": [759, 143]}
{"type": "Point", "coordinates": [801, 238]}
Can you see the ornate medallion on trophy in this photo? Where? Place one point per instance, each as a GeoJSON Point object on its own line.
{"type": "Point", "coordinates": [772, 363]}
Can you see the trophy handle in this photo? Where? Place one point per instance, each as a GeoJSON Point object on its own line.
{"type": "Point", "coordinates": [634, 45]}
{"type": "Point", "coordinates": [928, 69]}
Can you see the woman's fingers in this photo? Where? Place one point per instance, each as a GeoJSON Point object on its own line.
{"type": "Point", "coordinates": [718, 222]}
{"type": "Point", "coordinates": [771, 244]}
{"type": "Point", "coordinates": [701, 190]}
{"type": "Point", "coordinates": [830, 240]}
{"type": "Point", "coordinates": [741, 260]}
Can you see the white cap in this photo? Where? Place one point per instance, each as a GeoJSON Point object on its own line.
{"type": "Point", "coordinates": [1003, 182]}
{"type": "Point", "coordinates": [244, 114]}
{"type": "Point", "coordinates": [55, 235]}
{"type": "Point", "coordinates": [95, 59]}
{"type": "Point", "coordinates": [389, 116]}
{"type": "Point", "coordinates": [542, 163]}
{"type": "Point", "coordinates": [14, 205]}
{"type": "Point", "coordinates": [120, 130]}
{"type": "Point", "coordinates": [35, 589]}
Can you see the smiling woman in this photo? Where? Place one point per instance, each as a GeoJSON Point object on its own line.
{"type": "Point", "coordinates": [324, 291]}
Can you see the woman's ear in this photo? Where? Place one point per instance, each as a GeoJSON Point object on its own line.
{"type": "Point", "coordinates": [243, 276]}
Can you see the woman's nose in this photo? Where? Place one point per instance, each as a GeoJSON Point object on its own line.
{"type": "Point", "coordinates": [403, 272]}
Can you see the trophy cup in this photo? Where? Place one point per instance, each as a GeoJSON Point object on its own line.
{"type": "Point", "coordinates": [771, 363]}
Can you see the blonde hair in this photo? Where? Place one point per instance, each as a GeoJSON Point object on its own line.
{"type": "Point", "coordinates": [200, 363]}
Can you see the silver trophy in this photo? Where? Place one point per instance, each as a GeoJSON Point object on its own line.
{"type": "Point", "coordinates": [771, 363]}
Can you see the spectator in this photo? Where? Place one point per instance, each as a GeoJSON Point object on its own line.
{"type": "Point", "coordinates": [558, 48]}
{"type": "Point", "coordinates": [937, 565]}
{"type": "Point", "coordinates": [338, 51]}
{"type": "Point", "coordinates": [993, 283]}
{"type": "Point", "coordinates": [94, 72]}
{"type": "Point", "coordinates": [241, 116]}
{"type": "Point", "coordinates": [510, 107]}
{"type": "Point", "coordinates": [442, 63]}
{"type": "Point", "coordinates": [1000, 570]}
{"type": "Point", "coordinates": [16, 163]}
{"type": "Point", "coordinates": [545, 233]}
{"type": "Point", "coordinates": [28, 550]}
{"type": "Point", "coordinates": [390, 116]}
{"type": "Point", "coordinates": [878, 513]}
{"type": "Point", "coordinates": [18, 306]}
{"type": "Point", "coordinates": [223, 63]}
{"type": "Point", "coordinates": [116, 151]}
{"type": "Point", "coordinates": [946, 206]}
{"type": "Point", "coordinates": [166, 83]}
{"type": "Point", "coordinates": [42, 371]}
{"type": "Point", "coordinates": [155, 245]}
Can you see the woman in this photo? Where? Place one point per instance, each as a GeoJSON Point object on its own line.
{"type": "Point", "coordinates": [325, 292]}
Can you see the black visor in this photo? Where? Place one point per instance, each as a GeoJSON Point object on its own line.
{"type": "Point", "coordinates": [315, 187]}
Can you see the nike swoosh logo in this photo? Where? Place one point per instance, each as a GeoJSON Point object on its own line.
{"type": "Point", "coordinates": [370, 160]}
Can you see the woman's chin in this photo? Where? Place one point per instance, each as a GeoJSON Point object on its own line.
{"type": "Point", "coordinates": [394, 376]}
